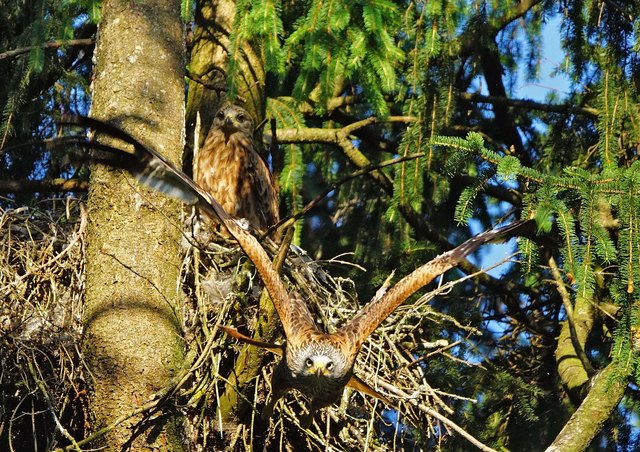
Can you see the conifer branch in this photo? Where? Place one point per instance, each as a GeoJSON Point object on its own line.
{"type": "Point", "coordinates": [341, 137]}
{"type": "Point", "coordinates": [518, 11]}
{"type": "Point", "coordinates": [469, 41]}
{"type": "Point", "coordinates": [527, 104]}
{"type": "Point", "coordinates": [308, 108]}
{"type": "Point", "coordinates": [333, 136]}
{"type": "Point", "coordinates": [420, 226]}
{"type": "Point", "coordinates": [290, 220]}
{"type": "Point", "coordinates": [47, 45]}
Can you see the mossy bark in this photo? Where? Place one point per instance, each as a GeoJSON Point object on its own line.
{"type": "Point", "coordinates": [133, 342]}
{"type": "Point", "coordinates": [570, 368]}
{"type": "Point", "coordinates": [604, 395]}
{"type": "Point", "coordinates": [249, 362]}
{"type": "Point", "coordinates": [208, 62]}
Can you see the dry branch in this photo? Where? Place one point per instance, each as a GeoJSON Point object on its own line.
{"type": "Point", "coordinates": [47, 45]}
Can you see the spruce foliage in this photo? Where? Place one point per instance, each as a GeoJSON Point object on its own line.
{"type": "Point", "coordinates": [446, 83]}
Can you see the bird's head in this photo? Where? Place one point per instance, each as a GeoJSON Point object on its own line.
{"type": "Point", "coordinates": [319, 359]}
{"type": "Point", "coordinates": [232, 118]}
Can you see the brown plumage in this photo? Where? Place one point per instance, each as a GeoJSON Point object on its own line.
{"type": "Point", "coordinates": [229, 167]}
{"type": "Point", "coordinates": [317, 364]}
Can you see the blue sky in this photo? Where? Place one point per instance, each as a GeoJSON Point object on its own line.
{"type": "Point", "coordinates": [552, 58]}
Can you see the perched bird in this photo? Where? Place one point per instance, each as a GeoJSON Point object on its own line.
{"type": "Point", "coordinates": [229, 168]}
{"type": "Point", "coordinates": [317, 364]}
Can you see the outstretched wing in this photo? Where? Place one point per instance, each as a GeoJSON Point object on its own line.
{"type": "Point", "coordinates": [274, 348]}
{"type": "Point", "coordinates": [373, 314]}
{"type": "Point", "coordinates": [153, 170]}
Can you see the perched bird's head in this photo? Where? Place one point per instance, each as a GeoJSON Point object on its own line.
{"type": "Point", "coordinates": [232, 118]}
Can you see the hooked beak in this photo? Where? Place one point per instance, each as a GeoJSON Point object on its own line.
{"type": "Point", "coordinates": [319, 370]}
{"type": "Point", "coordinates": [319, 365]}
{"type": "Point", "coordinates": [228, 125]}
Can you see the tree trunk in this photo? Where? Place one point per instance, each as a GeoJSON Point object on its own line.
{"type": "Point", "coordinates": [208, 61]}
{"type": "Point", "coordinates": [133, 342]}
{"type": "Point", "coordinates": [570, 368]}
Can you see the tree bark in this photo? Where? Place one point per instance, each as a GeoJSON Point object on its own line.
{"type": "Point", "coordinates": [587, 421]}
{"type": "Point", "coordinates": [133, 342]}
{"type": "Point", "coordinates": [208, 61]}
{"type": "Point", "coordinates": [570, 368]}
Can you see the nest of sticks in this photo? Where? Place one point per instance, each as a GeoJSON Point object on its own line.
{"type": "Point", "coordinates": [44, 379]}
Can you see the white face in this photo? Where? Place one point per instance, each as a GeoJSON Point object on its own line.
{"type": "Point", "coordinates": [319, 360]}
{"type": "Point", "coordinates": [318, 364]}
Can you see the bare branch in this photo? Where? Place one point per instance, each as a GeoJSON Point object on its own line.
{"type": "Point", "coordinates": [341, 137]}
{"type": "Point", "coordinates": [47, 45]}
{"type": "Point", "coordinates": [529, 104]}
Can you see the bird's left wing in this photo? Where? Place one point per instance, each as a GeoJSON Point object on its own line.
{"type": "Point", "coordinates": [152, 169]}
{"type": "Point", "coordinates": [374, 313]}
{"type": "Point", "coordinates": [274, 348]}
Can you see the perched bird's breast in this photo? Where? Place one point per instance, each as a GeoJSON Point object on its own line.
{"type": "Point", "coordinates": [229, 168]}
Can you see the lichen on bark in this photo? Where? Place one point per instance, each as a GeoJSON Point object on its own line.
{"type": "Point", "coordinates": [132, 341]}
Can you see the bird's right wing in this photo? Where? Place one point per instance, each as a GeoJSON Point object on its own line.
{"type": "Point", "coordinates": [153, 170]}
{"type": "Point", "coordinates": [373, 314]}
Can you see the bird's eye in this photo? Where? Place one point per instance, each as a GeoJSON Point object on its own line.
{"type": "Point", "coordinates": [242, 118]}
{"type": "Point", "coordinates": [330, 365]}
{"type": "Point", "coordinates": [308, 362]}
{"type": "Point", "coordinates": [220, 115]}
